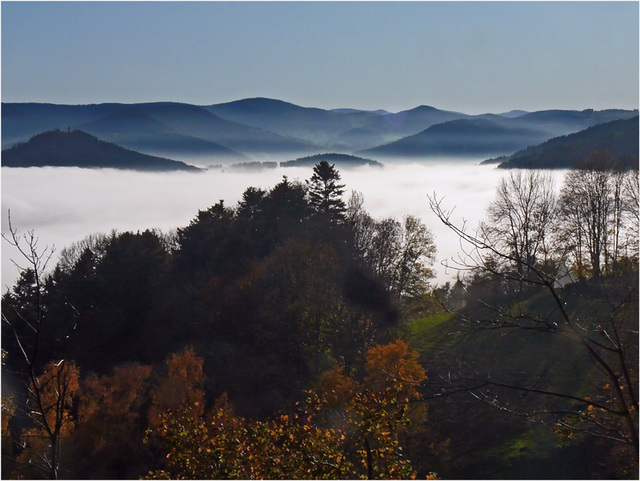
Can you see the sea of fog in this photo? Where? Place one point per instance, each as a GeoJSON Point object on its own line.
{"type": "Point", "coordinates": [64, 205]}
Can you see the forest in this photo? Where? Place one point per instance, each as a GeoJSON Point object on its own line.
{"type": "Point", "coordinates": [294, 336]}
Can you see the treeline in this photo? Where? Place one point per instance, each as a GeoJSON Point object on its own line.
{"type": "Point", "coordinates": [588, 228]}
{"type": "Point", "coordinates": [269, 294]}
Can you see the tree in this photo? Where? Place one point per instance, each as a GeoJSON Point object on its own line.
{"type": "Point", "coordinates": [50, 386]}
{"type": "Point", "coordinates": [50, 402]}
{"type": "Point", "coordinates": [8, 411]}
{"type": "Point", "coordinates": [361, 227]}
{"type": "Point", "coordinates": [182, 385]}
{"type": "Point", "coordinates": [415, 256]}
{"type": "Point", "coordinates": [521, 217]}
{"type": "Point", "coordinates": [631, 205]}
{"type": "Point", "coordinates": [397, 253]}
{"type": "Point", "coordinates": [107, 442]}
{"type": "Point", "coordinates": [207, 242]}
{"type": "Point", "coordinates": [325, 192]}
{"type": "Point", "coordinates": [343, 429]}
{"type": "Point", "coordinates": [593, 210]}
{"type": "Point", "coordinates": [595, 322]}
{"type": "Point", "coordinates": [586, 196]}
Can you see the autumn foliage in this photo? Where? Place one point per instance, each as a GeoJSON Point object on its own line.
{"type": "Point", "coordinates": [343, 429]}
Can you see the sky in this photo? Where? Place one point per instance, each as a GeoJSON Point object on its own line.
{"type": "Point", "coordinates": [472, 57]}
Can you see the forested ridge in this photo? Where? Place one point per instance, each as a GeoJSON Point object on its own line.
{"type": "Point", "coordinates": [294, 336]}
{"type": "Point", "coordinates": [78, 149]}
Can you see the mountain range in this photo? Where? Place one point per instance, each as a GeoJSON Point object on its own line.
{"type": "Point", "coordinates": [268, 129]}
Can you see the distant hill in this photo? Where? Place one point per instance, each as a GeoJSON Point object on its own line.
{"type": "Point", "coordinates": [491, 134]}
{"type": "Point", "coordinates": [358, 139]}
{"type": "Point", "coordinates": [318, 126]}
{"type": "Point", "coordinates": [512, 114]}
{"type": "Point", "coordinates": [134, 128]}
{"type": "Point", "coordinates": [465, 137]}
{"type": "Point", "coordinates": [619, 137]}
{"type": "Point", "coordinates": [353, 111]}
{"type": "Point", "coordinates": [21, 121]}
{"type": "Point", "coordinates": [564, 122]}
{"type": "Point", "coordinates": [331, 128]}
{"type": "Point", "coordinates": [198, 122]}
{"type": "Point", "coordinates": [342, 160]}
{"type": "Point", "coordinates": [153, 127]}
{"type": "Point", "coordinates": [58, 148]}
{"type": "Point", "coordinates": [266, 129]}
{"type": "Point", "coordinates": [413, 121]}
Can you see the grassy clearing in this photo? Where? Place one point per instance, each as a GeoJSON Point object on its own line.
{"type": "Point", "coordinates": [422, 334]}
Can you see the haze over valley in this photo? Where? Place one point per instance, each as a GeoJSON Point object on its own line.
{"type": "Point", "coordinates": [254, 142]}
{"type": "Point", "coordinates": [443, 156]}
{"type": "Point", "coordinates": [71, 203]}
{"type": "Point", "coordinates": [260, 128]}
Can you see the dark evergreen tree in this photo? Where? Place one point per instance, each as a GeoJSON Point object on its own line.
{"type": "Point", "coordinates": [286, 209]}
{"type": "Point", "coordinates": [208, 245]}
{"type": "Point", "coordinates": [251, 204]}
{"type": "Point", "coordinates": [325, 192]}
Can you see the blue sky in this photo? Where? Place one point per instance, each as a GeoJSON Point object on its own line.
{"type": "Point", "coordinates": [466, 56]}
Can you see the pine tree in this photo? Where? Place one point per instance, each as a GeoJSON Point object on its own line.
{"type": "Point", "coordinates": [325, 192]}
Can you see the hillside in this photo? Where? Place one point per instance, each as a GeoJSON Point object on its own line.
{"type": "Point", "coordinates": [620, 137]}
{"type": "Point", "coordinates": [453, 343]}
{"type": "Point", "coordinates": [196, 121]}
{"type": "Point", "coordinates": [79, 149]}
{"type": "Point", "coordinates": [341, 160]}
{"type": "Point", "coordinates": [149, 126]}
{"type": "Point", "coordinates": [262, 128]}
{"type": "Point", "coordinates": [358, 139]}
{"type": "Point", "coordinates": [413, 121]}
{"type": "Point", "coordinates": [319, 126]}
{"type": "Point", "coordinates": [21, 121]}
{"type": "Point", "coordinates": [134, 128]}
{"type": "Point", "coordinates": [467, 137]}
{"type": "Point", "coordinates": [332, 128]}
{"type": "Point", "coordinates": [564, 122]}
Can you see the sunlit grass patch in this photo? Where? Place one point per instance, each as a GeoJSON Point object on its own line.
{"type": "Point", "coordinates": [422, 334]}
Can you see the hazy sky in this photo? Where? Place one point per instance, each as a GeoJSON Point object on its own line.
{"type": "Point", "coordinates": [467, 56]}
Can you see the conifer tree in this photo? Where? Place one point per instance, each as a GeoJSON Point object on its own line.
{"type": "Point", "coordinates": [325, 192]}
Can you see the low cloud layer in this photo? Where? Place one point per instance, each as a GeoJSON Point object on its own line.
{"type": "Point", "coordinates": [63, 205]}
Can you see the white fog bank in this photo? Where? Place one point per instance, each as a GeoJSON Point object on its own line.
{"type": "Point", "coordinates": [63, 205]}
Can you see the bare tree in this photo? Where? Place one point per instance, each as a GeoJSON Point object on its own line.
{"type": "Point", "coordinates": [607, 339]}
{"type": "Point", "coordinates": [49, 388]}
{"type": "Point", "coordinates": [521, 216]}
{"type": "Point", "coordinates": [631, 206]}
{"type": "Point", "coordinates": [595, 201]}
{"type": "Point", "coordinates": [361, 225]}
